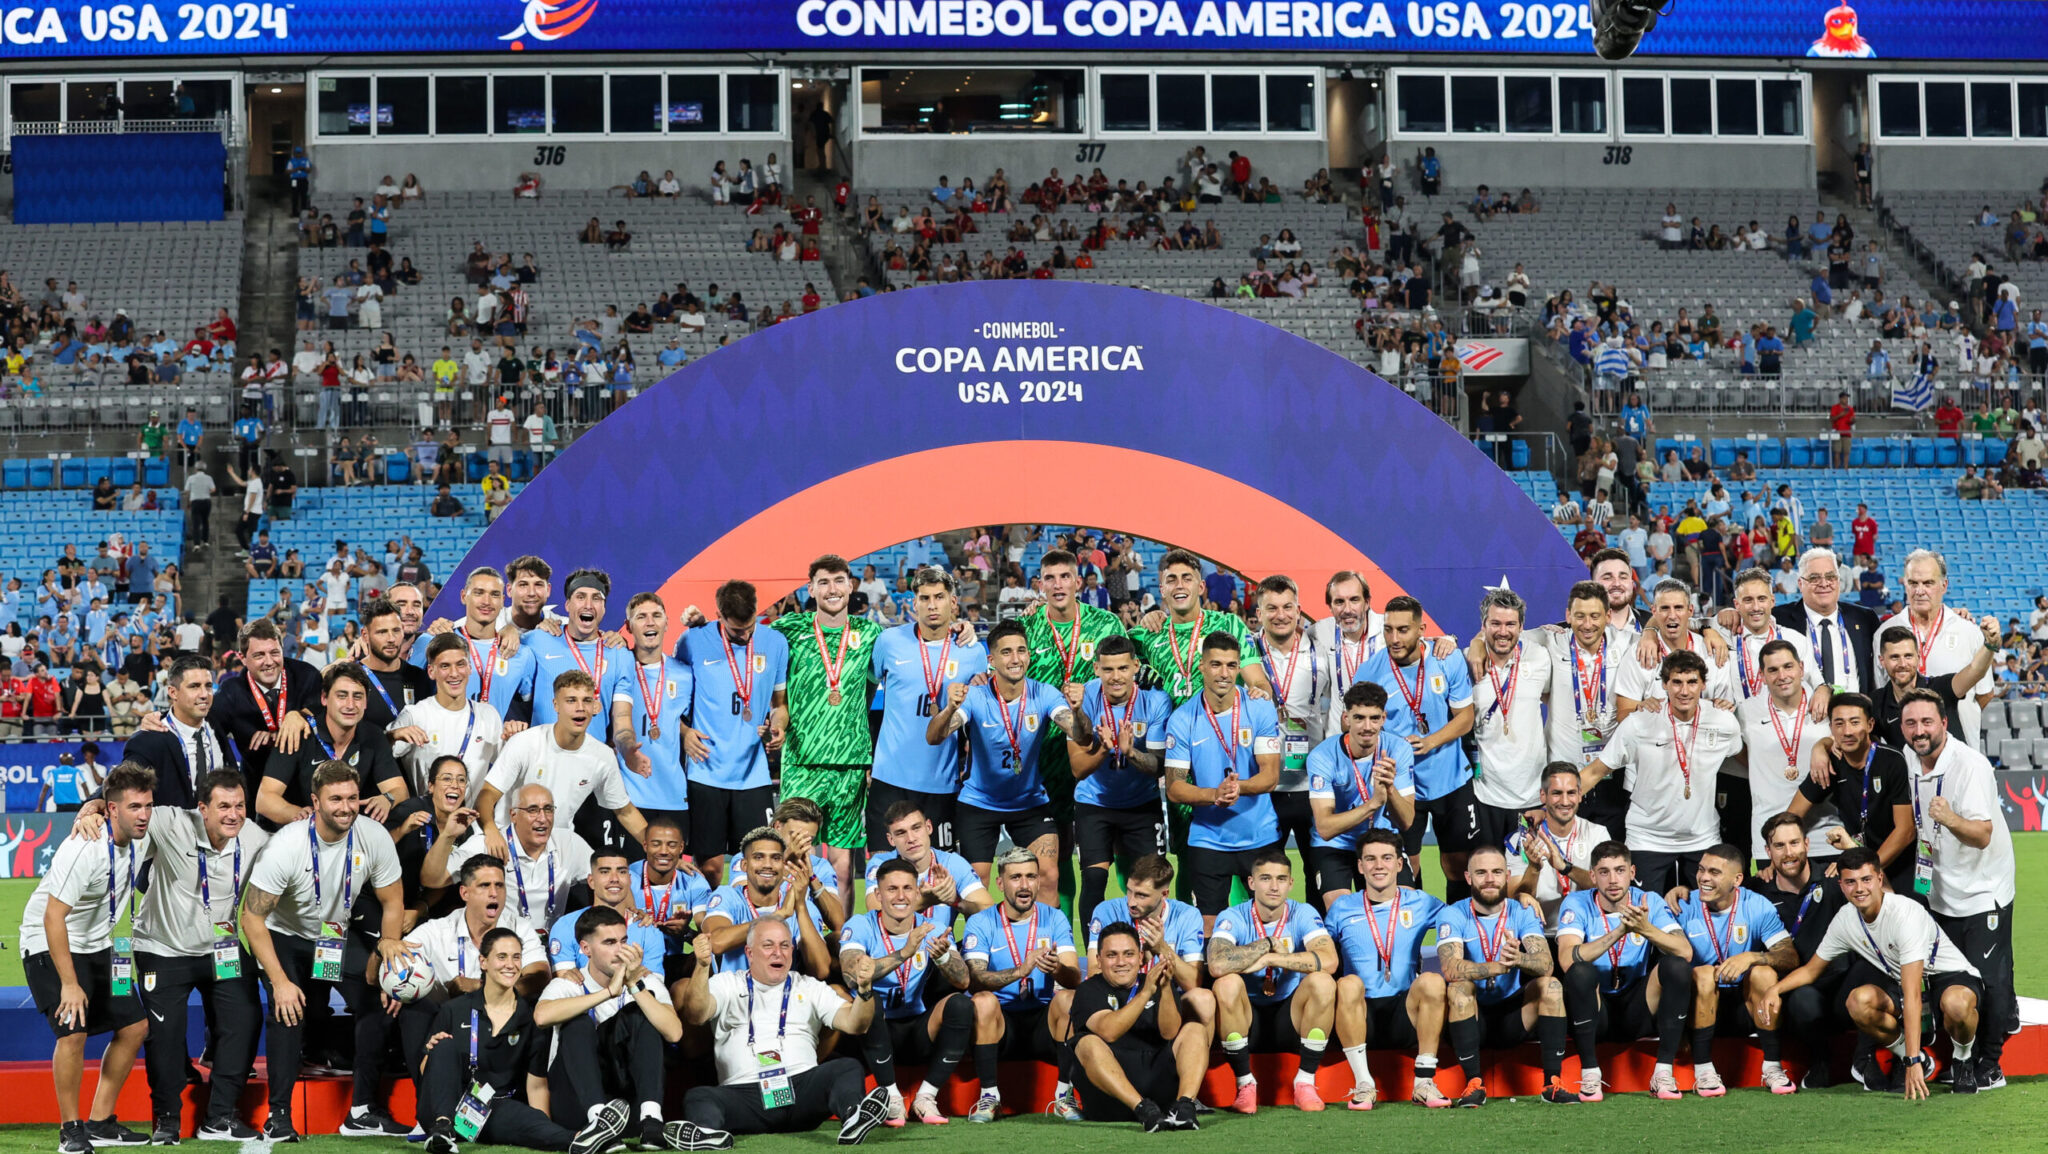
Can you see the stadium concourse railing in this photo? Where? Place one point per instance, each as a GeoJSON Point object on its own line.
{"type": "Point", "coordinates": [236, 177]}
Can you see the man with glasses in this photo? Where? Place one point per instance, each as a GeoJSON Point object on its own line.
{"type": "Point", "coordinates": [1841, 633]}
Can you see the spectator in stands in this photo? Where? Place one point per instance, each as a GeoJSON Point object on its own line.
{"type": "Point", "coordinates": [44, 692]}
{"type": "Point", "coordinates": [446, 504]}
{"type": "Point", "coordinates": [1969, 486]}
{"type": "Point", "coordinates": [618, 238]}
{"type": "Point", "coordinates": [1670, 233]}
{"type": "Point", "coordinates": [261, 561]}
{"type": "Point", "coordinates": [1948, 419]}
{"type": "Point", "coordinates": [293, 567]}
{"type": "Point", "coordinates": [1742, 470]}
{"type": "Point", "coordinates": [103, 495]}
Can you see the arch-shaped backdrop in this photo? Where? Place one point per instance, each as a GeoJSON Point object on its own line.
{"type": "Point", "coordinates": [1120, 408]}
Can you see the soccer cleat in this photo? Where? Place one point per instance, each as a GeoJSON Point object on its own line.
{"type": "Point", "coordinates": [866, 1117]}
{"type": "Point", "coordinates": [1306, 1096]}
{"type": "Point", "coordinates": [1989, 1076]}
{"type": "Point", "coordinates": [71, 1139]}
{"type": "Point", "coordinates": [1869, 1074]}
{"type": "Point", "coordinates": [1426, 1093]}
{"type": "Point", "coordinates": [601, 1134]}
{"type": "Point", "coordinates": [1620, 25]}
{"type": "Point", "coordinates": [227, 1130]}
{"type": "Point", "coordinates": [370, 1124]}
{"type": "Point", "coordinates": [1184, 1115]}
{"type": "Point", "coordinates": [110, 1132]}
{"type": "Point", "coordinates": [1777, 1081]}
{"type": "Point", "coordinates": [895, 1116]}
{"type": "Point", "coordinates": [1149, 1115]}
{"type": "Point", "coordinates": [1664, 1084]}
{"type": "Point", "coordinates": [926, 1110]}
{"type": "Point", "coordinates": [1362, 1097]}
{"type": "Point", "coordinates": [1589, 1086]}
{"type": "Point", "coordinates": [1963, 1078]}
{"type": "Point", "coordinates": [690, 1136]}
{"type": "Point", "coordinates": [1065, 1105]}
{"type": "Point", "coordinates": [441, 1138]}
{"type": "Point", "coordinates": [1247, 1100]}
{"type": "Point", "coordinates": [1555, 1094]}
{"type": "Point", "coordinates": [985, 1109]}
{"type": "Point", "coordinates": [1706, 1082]}
{"type": "Point", "coordinates": [1474, 1095]}
{"type": "Point", "coordinates": [165, 1132]}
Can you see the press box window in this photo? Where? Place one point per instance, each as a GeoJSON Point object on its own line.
{"type": "Point", "coordinates": [1528, 103]}
{"type": "Point", "coordinates": [1419, 104]}
{"type": "Point", "coordinates": [752, 103]}
{"type": "Point", "coordinates": [344, 106]}
{"type": "Point", "coordinates": [1475, 104]}
{"type": "Point", "coordinates": [1126, 102]}
{"type": "Point", "coordinates": [2033, 110]}
{"type": "Point", "coordinates": [1692, 108]}
{"type": "Point", "coordinates": [1582, 105]}
{"type": "Point", "coordinates": [461, 106]}
{"type": "Point", "coordinates": [1642, 105]}
{"type": "Point", "coordinates": [578, 104]}
{"type": "Point", "coordinates": [1735, 107]}
{"type": "Point", "coordinates": [693, 102]}
{"type": "Point", "coordinates": [1991, 109]}
{"type": "Point", "coordinates": [636, 103]}
{"type": "Point", "coordinates": [981, 100]}
{"type": "Point", "coordinates": [1898, 108]}
{"type": "Point", "coordinates": [1782, 101]}
{"type": "Point", "coordinates": [1290, 103]}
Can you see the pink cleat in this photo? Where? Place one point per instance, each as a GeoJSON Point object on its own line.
{"type": "Point", "coordinates": [1306, 1096]}
{"type": "Point", "coordinates": [1247, 1100]}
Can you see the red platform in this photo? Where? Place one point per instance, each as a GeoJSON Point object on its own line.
{"type": "Point", "coordinates": [320, 1104]}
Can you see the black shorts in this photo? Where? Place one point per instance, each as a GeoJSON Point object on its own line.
{"type": "Point", "coordinates": [1272, 1030]}
{"type": "Point", "coordinates": [1209, 873]}
{"type": "Point", "coordinates": [1152, 1071]}
{"type": "Point", "coordinates": [910, 1038]}
{"type": "Point", "coordinates": [104, 1012]}
{"type": "Point", "coordinates": [1658, 872]}
{"type": "Point", "coordinates": [1106, 835]}
{"type": "Point", "coordinates": [1496, 825]}
{"type": "Point", "coordinates": [1296, 819]}
{"type": "Point", "coordinates": [1625, 1015]}
{"type": "Point", "coordinates": [1930, 1003]}
{"type": "Point", "coordinates": [1500, 1022]}
{"type": "Point", "coordinates": [1454, 816]}
{"type": "Point", "coordinates": [720, 817]}
{"type": "Point", "coordinates": [937, 807]}
{"type": "Point", "coordinates": [1333, 868]}
{"type": "Point", "coordinates": [1026, 1036]}
{"type": "Point", "coordinates": [980, 829]}
{"type": "Point", "coordinates": [1387, 1024]}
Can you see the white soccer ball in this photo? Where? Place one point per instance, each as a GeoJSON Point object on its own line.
{"type": "Point", "coordinates": [407, 977]}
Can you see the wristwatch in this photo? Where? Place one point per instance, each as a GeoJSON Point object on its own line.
{"type": "Point", "coordinates": [1921, 1060]}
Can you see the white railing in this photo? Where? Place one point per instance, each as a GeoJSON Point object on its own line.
{"type": "Point", "coordinates": [120, 124]}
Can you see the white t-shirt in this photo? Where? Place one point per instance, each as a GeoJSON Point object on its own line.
{"type": "Point", "coordinates": [450, 733]}
{"type": "Point", "coordinates": [812, 1007]}
{"type": "Point", "coordinates": [448, 948]}
{"type": "Point", "coordinates": [1966, 880]}
{"type": "Point", "coordinates": [604, 1011]}
{"type": "Point", "coordinates": [335, 586]}
{"type": "Point", "coordinates": [536, 427]}
{"type": "Point", "coordinates": [1902, 934]}
{"type": "Point", "coordinates": [174, 920]}
{"type": "Point", "coordinates": [1512, 745]}
{"type": "Point", "coordinates": [532, 757]}
{"type": "Point", "coordinates": [190, 635]}
{"type": "Point", "coordinates": [1770, 790]}
{"type": "Point", "coordinates": [1593, 678]}
{"type": "Point", "coordinates": [1639, 684]}
{"type": "Point", "coordinates": [500, 421]}
{"type": "Point", "coordinates": [1661, 818]}
{"type": "Point", "coordinates": [286, 870]}
{"type": "Point", "coordinates": [1578, 850]}
{"type": "Point", "coordinates": [79, 876]}
{"type": "Point", "coordinates": [536, 884]}
{"type": "Point", "coordinates": [199, 486]}
{"type": "Point", "coordinates": [1744, 654]}
{"type": "Point", "coordinates": [479, 365]}
{"type": "Point", "coordinates": [1954, 643]}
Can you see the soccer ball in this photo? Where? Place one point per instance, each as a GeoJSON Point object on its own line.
{"type": "Point", "coordinates": [407, 978]}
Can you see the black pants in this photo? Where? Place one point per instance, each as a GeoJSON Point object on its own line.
{"type": "Point", "coordinates": [284, 1045]}
{"type": "Point", "coordinates": [233, 1019]}
{"type": "Point", "coordinates": [245, 529]}
{"type": "Point", "coordinates": [1986, 939]}
{"type": "Point", "coordinates": [202, 516]}
{"type": "Point", "coordinates": [833, 1088]}
{"type": "Point", "coordinates": [511, 1122]}
{"type": "Point", "coordinates": [595, 1063]}
{"type": "Point", "coordinates": [302, 195]}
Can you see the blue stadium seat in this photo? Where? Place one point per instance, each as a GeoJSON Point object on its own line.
{"type": "Point", "coordinates": [1799, 452]}
{"type": "Point", "coordinates": [156, 472]}
{"type": "Point", "coordinates": [1518, 455]}
{"type": "Point", "coordinates": [1948, 452]}
{"type": "Point", "coordinates": [474, 467]}
{"type": "Point", "coordinates": [1722, 452]}
{"type": "Point", "coordinates": [124, 472]}
{"type": "Point", "coordinates": [14, 474]}
{"type": "Point", "coordinates": [1994, 452]}
{"type": "Point", "coordinates": [74, 473]}
{"type": "Point", "coordinates": [1770, 454]}
{"type": "Point", "coordinates": [1923, 451]}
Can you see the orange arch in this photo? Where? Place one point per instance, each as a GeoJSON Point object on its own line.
{"type": "Point", "coordinates": [906, 497]}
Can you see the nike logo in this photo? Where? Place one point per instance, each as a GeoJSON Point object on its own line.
{"type": "Point", "coordinates": [1989, 952]}
{"type": "Point", "coordinates": [157, 1016]}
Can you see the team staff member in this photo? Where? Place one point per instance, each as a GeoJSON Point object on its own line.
{"type": "Point", "coordinates": [1913, 959]}
{"type": "Point", "coordinates": [295, 913]}
{"type": "Point", "coordinates": [609, 1024]}
{"type": "Point", "coordinates": [1946, 639]}
{"type": "Point", "coordinates": [943, 879]}
{"type": "Point", "coordinates": [1500, 988]}
{"type": "Point", "coordinates": [564, 756]}
{"type": "Point", "coordinates": [1137, 1054]}
{"type": "Point", "coordinates": [187, 750]}
{"type": "Point", "coordinates": [1032, 977]}
{"type": "Point", "coordinates": [738, 716]}
{"type": "Point", "coordinates": [1755, 628]}
{"type": "Point", "coordinates": [1965, 855]}
{"type": "Point", "coordinates": [1898, 656]}
{"type": "Point", "coordinates": [1429, 704]}
{"type": "Point", "coordinates": [1350, 634]}
{"type": "Point", "coordinates": [1550, 858]}
{"type": "Point", "coordinates": [394, 682]}
{"type": "Point", "coordinates": [581, 644]}
{"type": "Point", "coordinates": [1006, 720]}
{"type": "Point", "coordinates": [1839, 632]}
{"type": "Point", "coordinates": [1361, 779]}
{"type": "Point", "coordinates": [918, 664]}
{"type": "Point", "coordinates": [830, 751]}
{"type": "Point", "coordinates": [1610, 569]}
{"type": "Point", "coordinates": [1627, 968]}
{"type": "Point", "coordinates": [921, 1021]}
{"type": "Point", "coordinates": [453, 944]}
{"type": "Point", "coordinates": [1291, 998]}
{"type": "Point", "coordinates": [1288, 657]}
{"type": "Point", "coordinates": [501, 669]}
{"type": "Point", "coordinates": [774, 883]}
{"type": "Point", "coordinates": [77, 973]}
{"type": "Point", "coordinates": [546, 857]}
{"type": "Point", "coordinates": [1509, 675]}
{"type": "Point", "coordinates": [1780, 732]}
{"type": "Point", "coordinates": [1806, 901]}
{"type": "Point", "coordinates": [1065, 635]}
{"type": "Point", "coordinates": [262, 710]}
{"type": "Point", "coordinates": [1865, 784]}
{"type": "Point", "coordinates": [1384, 1000]}
{"type": "Point", "coordinates": [647, 697]}
{"type": "Point", "coordinates": [438, 814]}
{"type": "Point", "coordinates": [1671, 632]}
{"type": "Point", "coordinates": [338, 734]}
{"type": "Point", "coordinates": [448, 723]}
{"type": "Point", "coordinates": [1117, 815]}
{"type": "Point", "coordinates": [1586, 657]}
{"type": "Point", "coordinates": [1223, 758]}
{"type": "Point", "coordinates": [1739, 947]}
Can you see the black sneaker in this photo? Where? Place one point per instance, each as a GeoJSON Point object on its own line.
{"type": "Point", "coordinates": [71, 1139]}
{"type": "Point", "coordinates": [1184, 1115]}
{"type": "Point", "coordinates": [110, 1132]}
{"type": "Point", "coordinates": [278, 1128]}
{"type": "Point", "coordinates": [1989, 1076]}
{"type": "Point", "coordinates": [1150, 1116]}
{"type": "Point", "coordinates": [1202, 1107]}
{"type": "Point", "coordinates": [1619, 25]}
{"type": "Point", "coordinates": [371, 1124]}
{"type": "Point", "coordinates": [166, 1130]}
{"type": "Point", "coordinates": [227, 1130]}
{"type": "Point", "coordinates": [1474, 1095]}
{"type": "Point", "coordinates": [1870, 1075]}
{"type": "Point", "coordinates": [601, 1134]}
{"type": "Point", "coordinates": [690, 1136]}
{"type": "Point", "coordinates": [1962, 1077]}
{"type": "Point", "coordinates": [866, 1116]}
{"type": "Point", "coordinates": [441, 1138]}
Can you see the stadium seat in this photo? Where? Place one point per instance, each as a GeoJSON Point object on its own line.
{"type": "Point", "coordinates": [14, 473]}
{"type": "Point", "coordinates": [124, 472]}
{"type": "Point", "coordinates": [156, 472]}
{"type": "Point", "coordinates": [42, 473]}
{"type": "Point", "coordinates": [1769, 454]}
{"type": "Point", "coordinates": [1948, 452]}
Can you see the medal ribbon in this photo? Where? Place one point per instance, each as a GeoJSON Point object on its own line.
{"type": "Point", "coordinates": [834, 670]}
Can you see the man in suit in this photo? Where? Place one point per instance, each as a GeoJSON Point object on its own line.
{"type": "Point", "coordinates": [189, 749]}
{"type": "Point", "coordinates": [1842, 633]}
{"type": "Point", "coordinates": [264, 709]}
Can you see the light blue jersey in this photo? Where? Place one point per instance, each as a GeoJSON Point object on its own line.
{"type": "Point", "coordinates": [1180, 926]}
{"type": "Point", "coordinates": [555, 655]}
{"type": "Point", "coordinates": [684, 895]}
{"type": "Point", "coordinates": [669, 681]}
{"type": "Point", "coordinates": [899, 991]}
{"type": "Point", "coordinates": [915, 676]}
{"type": "Point", "coordinates": [1751, 923]}
{"type": "Point", "coordinates": [997, 941]}
{"type": "Point", "coordinates": [952, 865]}
{"type": "Point", "coordinates": [563, 950]}
{"type": "Point", "coordinates": [1241, 925]}
{"type": "Point", "coordinates": [1212, 745]}
{"type": "Point", "coordinates": [1444, 686]}
{"type": "Point", "coordinates": [1484, 937]}
{"type": "Point", "coordinates": [1114, 785]}
{"type": "Point", "coordinates": [1581, 919]}
{"type": "Point", "coordinates": [1382, 943]}
{"type": "Point", "coordinates": [728, 718]}
{"type": "Point", "coordinates": [1346, 782]}
{"type": "Point", "coordinates": [493, 676]}
{"type": "Point", "coordinates": [1002, 747]}
{"type": "Point", "coordinates": [731, 902]}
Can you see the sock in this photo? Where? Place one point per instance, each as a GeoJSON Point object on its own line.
{"type": "Point", "coordinates": [1550, 1033]}
{"type": "Point", "coordinates": [1094, 884]}
{"type": "Point", "coordinates": [1312, 1054]}
{"type": "Point", "coordinates": [1465, 1040]}
{"type": "Point", "coordinates": [985, 1065]}
{"type": "Point", "coordinates": [1700, 1069]}
{"type": "Point", "coordinates": [924, 1090]}
{"type": "Point", "coordinates": [1703, 1045]}
{"type": "Point", "coordinates": [1425, 1064]}
{"type": "Point", "coordinates": [1663, 1070]}
{"type": "Point", "coordinates": [1963, 1049]}
{"type": "Point", "coordinates": [650, 1110]}
{"type": "Point", "coordinates": [1059, 1088]}
{"type": "Point", "coordinates": [1237, 1050]}
{"type": "Point", "coordinates": [1767, 1041]}
{"type": "Point", "coordinates": [358, 1111]}
{"type": "Point", "coordinates": [1897, 1046]}
{"type": "Point", "coordinates": [1589, 1074]}
{"type": "Point", "coordinates": [1361, 1074]}
{"type": "Point", "coordinates": [1771, 1066]}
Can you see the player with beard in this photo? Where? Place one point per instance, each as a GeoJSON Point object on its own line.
{"type": "Point", "coordinates": [1063, 634]}
{"type": "Point", "coordinates": [1550, 858]}
{"type": "Point", "coordinates": [738, 716]}
{"type": "Point", "coordinates": [922, 1021]}
{"type": "Point", "coordinates": [1806, 901]}
{"type": "Point", "coordinates": [671, 892]}
{"type": "Point", "coordinates": [1497, 969]}
{"type": "Point", "coordinates": [1429, 704]}
{"type": "Point", "coordinates": [1361, 779]}
{"type": "Point", "coordinates": [647, 698]}
{"type": "Point", "coordinates": [1300, 681]}
{"type": "Point", "coordinates": [262, 710]}
{"type": "Point", "coordinates": [917, 664]}
{"type": "Point", "coordinates": [1739, 947]}
{"type": "Point", "coordinates": [1509, 676]}
{"type": "Point", "coordinates": [1627, 970]}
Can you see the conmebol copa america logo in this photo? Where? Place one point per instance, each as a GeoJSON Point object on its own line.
{"type": "Point", "coordinates": [547, 22]}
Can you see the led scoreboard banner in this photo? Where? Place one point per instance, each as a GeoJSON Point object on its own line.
{"type": "Point", "coordinates": [1882, 29]}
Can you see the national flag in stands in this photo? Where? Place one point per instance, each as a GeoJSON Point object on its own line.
{"type": "Point", "coordinates": [1916, 396]}
{"type": "Point", "coordinates": [1475, 356]}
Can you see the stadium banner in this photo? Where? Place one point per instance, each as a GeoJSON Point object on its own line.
{"type": "Point", "coordinates": [29, 840]}
{"type": "Point", "coordinates": [882, 420]}
{"type": "Point", "coordinates": [1882, 29]}
{"type": "Point", "coordinates": [27, 766]}
{"type": "Point", "coordinates": [1494, 356]}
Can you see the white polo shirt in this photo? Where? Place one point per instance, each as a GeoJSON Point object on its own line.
{"type": "Point", "coordinates": [1902, 934]}
{"type": "Point", "coordinates": [1507, 719]}
{"type": "Point", "coordinates": [536, 884]}
{"type": "Point", "coordinates": [286, 869]}
{"type": "Point", "coordinates": [1639, 684]}
{"type": "Point", "coordinates": [1300, 680]}
{"type": "Point", "coordinates": [1966, 880]}
{"type": "Point", "coordinates": [173, 920]}
{"type": "Point", "coordinates": [532, 757]}
{"type": "Point", "coordinates": [473, 733]}
{"type": "Point", "coordinates": [1765, 731]}
{"type": "Point", "coordinates": [447, 946]}
{"type": "Point", "coordinates": [812, 1007]}
{"type": "Point", "coordinates": [1661, 818]}
{"type": "Point", "coordinates": [1578, 850]}
{"type": "Point", "coordinates": [1582, 691]}
{"type": "Point", "coordinates": [81, 874]}
{"type": "Point", "coordinates": [1345, 659]}
{"type": "Point", "coordinates": [1948, 649]}
{"type": "Point", "coordinates": [1744, 651]}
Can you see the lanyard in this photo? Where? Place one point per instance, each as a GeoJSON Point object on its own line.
{"type": "Point", "coordinates": [487, 669]}
{"type": "Point", "coordinates": [1382, 946]}
{"type": "Point", "coordinates": [1726, 936]}
{"type": "Point", "coordinates": [1014, 734]}
{"type": "Point", "coordinates": [889, 944]}
{"type": "Point", "coordinates": [1416, 699]}
{"type": "Point", "coordinates": [1503, 693]}
{"type": "Point", "coordinates": [270, 715]}
{"type": "Point", "coordinates": [936, 685]}
{"type": "Point", "coordinates": [1863, 810]}
{"type": "Point", "coordinates": [1791, 747]}
{"type": "Point", "coordinates": [113, 905]}
{"type": "Point", "coordinates": [1564, 851]}
{"type": "Point", "coordinates": [576, 651]}
{"type": "Point", "coordinates": [1752, 683]}
{"type": "Point", "coordinates": [1030, 939]}
{"type": "Point", "coordinates": [741, 685]}
{"type": "Point", "coordinates": [834, 669]}
{"type": "Point", "coordinates": [1925, 643]}
{"type": "Point", "coordinates": [206, 889]}
{"type": "Point", "coordinates": [1620, 943]}
{"type": "Point", "coordinates": [1345, 664]}
{"type": "Point", "coordinates": [1843, 657]}
{"type": "Point", "coordinates": [1883, 958]}
{"type": "Point", "coordinates": [313, 725]}
{"type": "Point", "coordinates": [1283, 682]}
{"type": "Point", "coordinates": [781, 1024]}
{"type": "Point", "coordinates": [1812, 894]}
{"type": "Point", "coordinates": [1115, 726]}
{"type": "Point", "coordinates": [1581, 698]}
{"type": "Point", "coordinates": [1230, 749]}
{"type": "Point", "coordinates": [650, 697]}
{"type": "Point", "coordinates": [468, 728]}
{"type": "Point", "coordinates": [519, 880]}
{"type": "Point", "coordinates": [348, 865]}
{"type": "Point", "coordinates": [1913, 776]}
{"type": "Point", "coordinates": [1357, 775]}
{"type": "Point", "coordinates": [1069, 651]}
{"type": "Point", "coordinates": [462, 957]}
{"type": "Point", "coordinates": [472, 1043]}
{"type": "Point", "coordinates": [377, 683]}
